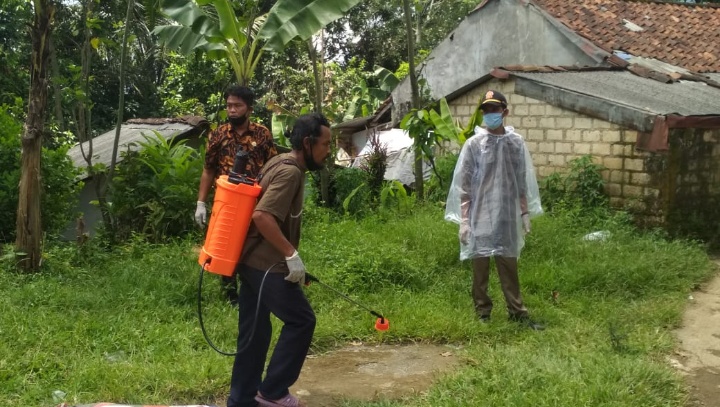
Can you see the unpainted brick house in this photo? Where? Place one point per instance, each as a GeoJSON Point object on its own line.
{"type": "Point", "coordinates": [634, 84]}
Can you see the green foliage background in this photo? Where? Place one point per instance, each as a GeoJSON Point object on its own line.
{"type": "Point", "coordinates": [59, 185]}
{"type": "Point", "coordinates": [121, 325]}
{"type": "Point", "coordinates": [154, 190]}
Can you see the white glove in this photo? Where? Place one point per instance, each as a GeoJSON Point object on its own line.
{"type": "Point", "coordinates": [464, 233]}
{"type": "Point", "coordinates": [297, 269]}
{"type": "Point", "coordinates": [201, 214]}
{"type": "Point", "coordinates": [526, 223]}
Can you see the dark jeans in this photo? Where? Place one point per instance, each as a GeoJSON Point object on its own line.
{"type": "Point", "coordinates": [288, 303]}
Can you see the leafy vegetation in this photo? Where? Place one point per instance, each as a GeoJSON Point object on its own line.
{"type": "Point", "coordinates": [438, 186]}
{"type": "Point", "coordinates": [121, 325]}
{"type": "Point", "coordinates": [60, 190]}
{"type": "Point", "coordinates": [579, 191]}
{"type": "Point", "coordinates": [154, 189]}
{"type": "Point", "coordinates": [118, 323]}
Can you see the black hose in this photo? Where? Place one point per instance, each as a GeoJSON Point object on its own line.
{"type": "Point", "coordinates": [257, 312]}
{"type": "Point", "coordinates": [310, 277]}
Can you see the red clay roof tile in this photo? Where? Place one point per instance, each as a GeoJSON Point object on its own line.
{"type": "Point", "coordinates": [686, 35]}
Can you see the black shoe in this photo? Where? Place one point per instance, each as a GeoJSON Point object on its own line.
{"type": "Point", "coordinates": [485, 319]}
{"type": "Point", "coordinates": [525, 320]}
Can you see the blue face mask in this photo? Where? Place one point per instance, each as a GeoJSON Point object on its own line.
{"type": "Point", "coordinates": [493, 120]}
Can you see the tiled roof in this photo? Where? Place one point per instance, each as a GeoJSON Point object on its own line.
{"type": "Point", "coordinates": [686, 35]}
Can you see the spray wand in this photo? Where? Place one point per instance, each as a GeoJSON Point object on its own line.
{"type": "Point", "coordinates": [381, 324]}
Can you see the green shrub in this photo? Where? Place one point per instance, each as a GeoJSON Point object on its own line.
{"type": "Point", "coordinates": [60, 191]}
{"type": "Point", "coordinates": [375, 166]}
{"type": "Point", "coordinates": [580, 191]}
{"type": "Point", "coordinates": [438, 185]}
{"type": "Point", "coordinates": [349, 191]}
{"type": "Point", "coordinates": [155, 189]}
{"type": "Point", "coordinates": [395, 198]}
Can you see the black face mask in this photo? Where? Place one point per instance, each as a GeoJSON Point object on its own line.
{"type": "Point", "coordinates": [310, 161]}
{"type": "Point", "coordinates": [237, 121]}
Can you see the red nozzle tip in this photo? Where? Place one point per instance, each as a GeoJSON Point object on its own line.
{"type": "Point", "coordinates": [382, 324]}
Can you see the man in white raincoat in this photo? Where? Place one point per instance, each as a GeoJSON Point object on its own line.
{"type": "Point", "coordinates": [493, 194]}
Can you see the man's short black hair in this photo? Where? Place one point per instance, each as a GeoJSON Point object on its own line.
{"type": "Point", "coordinates": [242, 92]}
{"type": "Point", "coordinates": [308, 125]}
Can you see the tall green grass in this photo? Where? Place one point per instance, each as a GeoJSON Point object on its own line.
{"type": "Point", "coordinates": [122, 326]}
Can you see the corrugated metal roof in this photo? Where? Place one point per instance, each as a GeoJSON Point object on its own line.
{"type": "Point", "coordinates": [358, 122]}
{"type": "Point", "coordinates": [130, 135]}
{"type": "Point", "coordinates": [713, 76]}
{"type": "Point", "coordinates": [685, 98]}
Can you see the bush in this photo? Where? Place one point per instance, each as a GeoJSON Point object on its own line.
{"type": "Point", "coordinates": [60, 190]}
{"type": "Point", "coordinates": [581, 190]}
{"type": "Point", "coordinates": [394, 197]}
{"type": "Point", "coordinates": [155, 189]}
{"type": "Point", "coordinates": [438, 186]}
{"type": "Point", "coordinates": [349, 191]}
{"type": "Point", "coordinates": [375, 166]}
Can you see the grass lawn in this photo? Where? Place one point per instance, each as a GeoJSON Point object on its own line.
{"type": "Point", "coordinates": [121, 326]}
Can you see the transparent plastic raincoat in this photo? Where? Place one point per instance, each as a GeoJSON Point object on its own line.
{"type": "Point", "coordinates": [493, 174]}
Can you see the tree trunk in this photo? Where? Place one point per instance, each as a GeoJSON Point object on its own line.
{"type": "Point", "coordinates": [324, 173]}
{"type": "Point", "coordinates": [121, 101]}
{"type": "Point", "coordinates": [419, 187]}
{"type": "Point", "coordinates": [121, 106]}
{"type": "Point", "coordinates": [57, 93]}
{"type": "Point", "coordinates": [83, 113]}
{"type": "Point", "coordinates": [28, 240]}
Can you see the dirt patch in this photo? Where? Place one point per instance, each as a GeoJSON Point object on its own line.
{"type": "Point", "coordinates": [698, 357]}
{"type": "Point", "coordinates": [363, 372]}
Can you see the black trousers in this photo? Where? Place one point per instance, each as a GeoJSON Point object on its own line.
{"type": "Point", "coordinates": [287, 302]}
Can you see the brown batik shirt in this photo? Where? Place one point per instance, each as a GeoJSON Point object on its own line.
{"type": "Point", "coordinates": [224, 142]}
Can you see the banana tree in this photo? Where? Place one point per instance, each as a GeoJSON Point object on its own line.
{"type": "Point", "coordinates": [367, 99]}
{"type": "Point", "coordinates": [213, 27]}
{"type": "Point", "coordinates": [429, 128]}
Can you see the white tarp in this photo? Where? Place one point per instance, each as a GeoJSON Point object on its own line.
{"type": "Point", "coordinates": [400, 157]}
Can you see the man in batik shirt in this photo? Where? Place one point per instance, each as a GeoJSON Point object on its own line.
{"type": "Point", "coordinates": [238, 133]}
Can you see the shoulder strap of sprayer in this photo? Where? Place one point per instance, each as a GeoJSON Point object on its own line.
{"type": "Point", "coordinates": [265, 170]}
{"type": "Point", "coordinates": [259, 178]}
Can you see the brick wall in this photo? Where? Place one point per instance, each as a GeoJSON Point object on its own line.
{"type": "Point", "coordinates": [688, 180]}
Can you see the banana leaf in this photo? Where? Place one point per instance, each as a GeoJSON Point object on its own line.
{"type": "Point", "coordinates": [290, 19]}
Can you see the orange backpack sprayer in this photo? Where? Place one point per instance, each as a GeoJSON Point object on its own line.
{"type": "Point", "coordinates": [235, 198]}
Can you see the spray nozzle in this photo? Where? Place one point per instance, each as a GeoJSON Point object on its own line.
{"type": "Point", "coordinates": [382, 324]}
